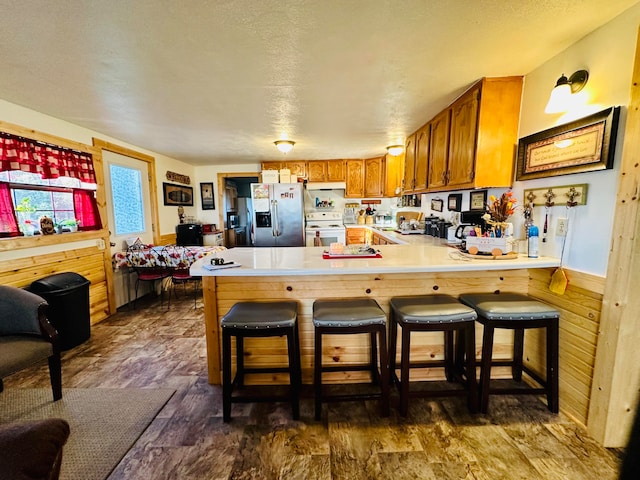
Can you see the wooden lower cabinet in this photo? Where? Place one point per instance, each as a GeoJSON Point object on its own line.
{"type": "Point", "coordinates": [358, 236]}
{"type": "Point", "coordinates": [377, 239]}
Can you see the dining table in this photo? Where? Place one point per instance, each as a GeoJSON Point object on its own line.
{"type": "Point", "coordinates": [169, 258]}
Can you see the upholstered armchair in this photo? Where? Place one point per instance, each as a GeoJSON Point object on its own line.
{"type": "Point", "coordinates": [26, 336]}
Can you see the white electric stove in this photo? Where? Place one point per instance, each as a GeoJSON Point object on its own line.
{"type": "Point", "coordinates": [327, 226]}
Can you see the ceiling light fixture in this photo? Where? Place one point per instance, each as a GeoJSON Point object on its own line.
{"type": "Point", "coordinates": [560, 98]}
{"type": "Point", "coordinates": [284, 146]}
{"type": "Point", "coordinates": [395, 150]}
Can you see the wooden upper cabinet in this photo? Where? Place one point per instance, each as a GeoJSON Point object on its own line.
{"type": "Point", "coordinates": [335, 171]}
{"type": "Point", "coordinates": [422, 158]}
{"type": "Point", "coordinates": [497, 138]}
{"type": "Point", "coordinates": [317, 170]}
{"type": "Point", "coordinates": [439, 149]}
{"type": "Point", "coordinates": [354, 178]}
{"type": "Point", "coordinates": [297, 168]}
{"type": "Point", "coordinates": [479, 148]}
{"type": "Point", "coordinates": [394, 170]}
{"type": "Point", "coordinates": [408, 182]}
{"type": "Point", "coordinates": [373, 177]}
{"type": "Point", "coordinates": [462, 138]}
{"type": "Point", "coordinates": [271, 165]}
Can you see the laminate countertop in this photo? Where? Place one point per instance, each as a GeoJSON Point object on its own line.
{"type": "Point", "coordinates": [434, 257]}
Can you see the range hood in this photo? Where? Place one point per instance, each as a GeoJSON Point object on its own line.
{"type": "Point", "coordinates": [326, 185]}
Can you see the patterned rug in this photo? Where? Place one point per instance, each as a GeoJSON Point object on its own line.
{"type": "Point", "coordinates": [104, 423]}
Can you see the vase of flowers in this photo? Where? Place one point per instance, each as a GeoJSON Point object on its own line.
{"type": "Point", "coordinates": [498, 238]}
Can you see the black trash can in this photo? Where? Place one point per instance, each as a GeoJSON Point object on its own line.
{"type": "Point", "coordinates": [68, 297]}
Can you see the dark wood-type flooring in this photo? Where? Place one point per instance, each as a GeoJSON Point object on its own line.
{"type": "Point", "coordinates": [155, 347]}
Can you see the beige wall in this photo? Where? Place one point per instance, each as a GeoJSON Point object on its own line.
{"type": "Point", "coordinates": [31, 119]}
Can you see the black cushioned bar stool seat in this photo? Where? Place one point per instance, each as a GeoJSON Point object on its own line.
{"type": "Point", "coordinates": [259, 319]}
{"type": "Point", "coordinates": [516, 312]}
{"type": "Point", "coordinates": [345, 317]}
{"type": "Point", "coordinates": [434, 313]}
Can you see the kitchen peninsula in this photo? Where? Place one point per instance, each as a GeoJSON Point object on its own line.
{"type": "Point", "coordinates": [301, 274]}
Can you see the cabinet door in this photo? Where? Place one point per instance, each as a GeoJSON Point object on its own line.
{"type": "Point", "coordinates": [422, 158]}
{"type": "Point", "coordinates": [317, 170]}
{"type": "Point", "coordinates": [462, 140]}
{"type": "Point", "coordinates": [393, 172]}
{"type": "Point", "coordinates": [409, 164]}
{"type": "Point", "coordinates": [271, 165]}
{"type": "Point", "coordinates": [298, 169]}
{"type": "Point", "coordinates": [335, 171]}
{"type": "Point", "coordinates": [439, 149]}
{"type": "Point", "coordinates": [355, 179]}
{"type": "Point", "coordinates": [355, 236]}
{"type": "Point", "coordinates": [373, 177]}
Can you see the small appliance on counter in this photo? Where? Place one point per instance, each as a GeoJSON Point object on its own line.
{"type": "Point", "coordinates": [189, 234]}
{"type": "Point", "coordinates": [473, 218]}
{"type": "Point", "coordinates": [350, 216]}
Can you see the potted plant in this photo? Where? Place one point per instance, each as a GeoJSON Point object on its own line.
{"type": "Point", "coordinates": [67, 225]}
{"type": "Point", "coordinates": [25, 210]}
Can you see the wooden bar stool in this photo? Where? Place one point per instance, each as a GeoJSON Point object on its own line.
{"type": "Point", "coordinates": [516, 312]}
{"type": "Point", "coordinates": [260, 319]}
{"type": "Point", "coordinates": [347, 317]}
{"type": "Point", "coordinates": [434, 313]}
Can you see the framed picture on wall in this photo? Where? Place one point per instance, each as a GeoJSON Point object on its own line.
{"type": "Point", "coordinates": [583, 145]}
{"type": "Point", "coordinates": [436, 204]}
{"type": "Point", "coordinates": [454, 202]}
{"type": "Point", "coordinates": [177, 195]}
{"type": "Point", "coordinates": [206, 195]}
{"type": "Point", "coordinates": [477, 200]}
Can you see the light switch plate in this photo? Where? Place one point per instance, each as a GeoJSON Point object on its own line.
{"type": "Point", "coordinates": [561, 227]}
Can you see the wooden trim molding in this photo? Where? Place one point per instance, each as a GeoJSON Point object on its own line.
{"type": "Point", "coordinates": [153, 193]}
{"type": "Point", "coordinates": [616, 378]}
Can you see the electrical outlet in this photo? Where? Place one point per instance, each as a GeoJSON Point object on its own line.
{"type": "Point", "coordinates": [100, 244]}
{"type": "Point", "coordinates": [561, 227]}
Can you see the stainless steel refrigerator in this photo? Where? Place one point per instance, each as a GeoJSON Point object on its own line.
{"type": "Point", "coordinates": [277, 214]}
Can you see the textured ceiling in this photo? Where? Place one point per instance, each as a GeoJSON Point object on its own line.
{"type": "Point", "coordinates": [216, 82]}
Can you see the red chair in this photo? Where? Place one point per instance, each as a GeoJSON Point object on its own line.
{"type": "Point", "coordinates": [151, 265]}
{"type": "Point", "coordinates": [182, 258]}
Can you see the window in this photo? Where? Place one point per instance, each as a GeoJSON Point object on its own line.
{"type": "Point", "coordinates": [127, 195]}
{"type": "Point", "coordinates": [34, 197]}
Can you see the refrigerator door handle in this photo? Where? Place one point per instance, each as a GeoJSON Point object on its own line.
{"type": "Point", "coordinates": [275, 230]}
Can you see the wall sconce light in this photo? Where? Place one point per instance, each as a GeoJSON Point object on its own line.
{"type": "Point", "coordinates": [395, 150]}
{"type": "Point", "coordinates": [284, 146]}
{"type": "Point", "coordinates": [560, 98]}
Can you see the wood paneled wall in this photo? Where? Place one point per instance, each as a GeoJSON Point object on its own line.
{"type": "Point", "coordinates": [351, 349]}
{"type": "Point", "coordinates": [88, 262]}
{"type": "Point", "coordinates": [580, 309]}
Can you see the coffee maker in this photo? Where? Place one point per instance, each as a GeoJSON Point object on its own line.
{"type": "Point", "coordinates": [471, 218]}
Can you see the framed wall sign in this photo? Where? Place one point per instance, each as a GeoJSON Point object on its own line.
{"type": "Point", "coordinates": [206, 195]}
{"type": "Point", "coordinates": [477, 200]}
{"type": "Point", "coordinates": [583, 145]}
{"type": "Point", "coordinates": [454, 202]}
{"type": "Point", "coordinates": [177, 194]}
{"type": "Point", "coordinates": [436, 205]}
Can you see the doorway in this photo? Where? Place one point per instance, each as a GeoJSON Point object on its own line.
{"type": "Point", "coordinates": [234, 194]}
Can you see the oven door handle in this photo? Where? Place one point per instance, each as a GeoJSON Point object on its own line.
{"type": "Point", "coordinates": [275, 228]}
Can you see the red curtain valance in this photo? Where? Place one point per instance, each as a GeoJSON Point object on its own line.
{"type": "Point", "coordinates": [50, 161]}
